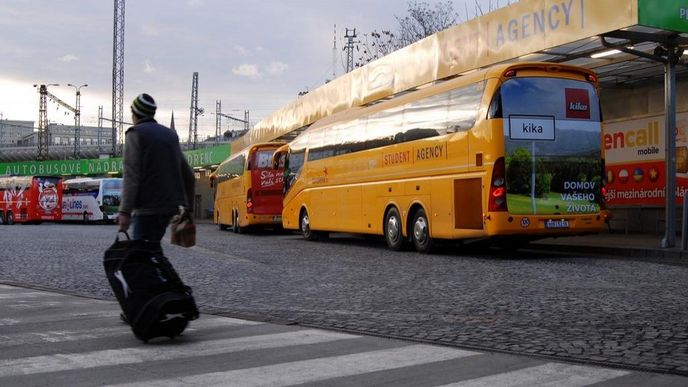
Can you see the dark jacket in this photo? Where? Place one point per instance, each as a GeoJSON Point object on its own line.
{"type": "Point", "coordinates": [157, 177]}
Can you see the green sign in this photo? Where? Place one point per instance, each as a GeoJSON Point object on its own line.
{"type": "Point", "coordinates": [665, 14]}
{"type": "Point", "coordinates": [197, 158]}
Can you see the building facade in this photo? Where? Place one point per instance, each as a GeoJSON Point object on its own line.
{"type": "Point", "coordinates": [13, 131]}
{"type": "Point", "coordinates": [60, 134]}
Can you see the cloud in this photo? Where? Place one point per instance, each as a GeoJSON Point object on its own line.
{"type": "Point", "coordinates": [68, 58]}
{"type": "Point", "coordinates": [277, 68]}
{"type": "Point", "coordinates": [246, 70]}
{"type": "Point", "coordinates": [148, 67]}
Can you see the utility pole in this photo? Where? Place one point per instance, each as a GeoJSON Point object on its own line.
{"type": "Point", "coordinates": [43, 131]}
{"type": "Point", "coordinates": [118, 79]}
{"type": "Point", "coordinates": [194, 111]}
{"type": "Point", "coordinates": [77, 121]}
{"type": "Point", "coordinates": [100, 127]}
{"type": "Point", "coordinates": [218, 120]}
{"type": "Point", "coordinates": [244, 121]}
{"type": "Point", "coordinates": [334, 53]}
{"type": "Point", "coordinates": [350, 48]}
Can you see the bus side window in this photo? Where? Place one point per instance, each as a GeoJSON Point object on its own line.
{"type": "Point", "coordinates": [495, 110]}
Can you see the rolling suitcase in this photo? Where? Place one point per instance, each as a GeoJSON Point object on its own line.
{"type": "Point", "coordinates": [154, 300]}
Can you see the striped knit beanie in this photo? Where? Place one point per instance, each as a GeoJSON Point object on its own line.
{"type": "Point", "coordinates": [144, 105]}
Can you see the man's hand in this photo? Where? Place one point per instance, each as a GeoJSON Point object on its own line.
{"type": "Point", "coordinates": [123, 220]}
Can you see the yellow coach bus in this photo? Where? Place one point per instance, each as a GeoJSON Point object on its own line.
{"type": "Point", "coordinates": [248, 190]}
{"type": "Point", "coordinates": [512, 152]}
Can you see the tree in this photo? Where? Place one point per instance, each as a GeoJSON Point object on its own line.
{"type": "Point", "coordinates": [421, 21]}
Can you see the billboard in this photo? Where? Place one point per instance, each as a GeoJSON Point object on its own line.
{"type": "Point", "coordinates": [635, 151]}
{"type": "Point", "coordinates": [99, 167]}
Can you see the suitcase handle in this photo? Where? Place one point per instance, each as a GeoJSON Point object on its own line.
{"type": "Point", "coordinates": [122, 232]}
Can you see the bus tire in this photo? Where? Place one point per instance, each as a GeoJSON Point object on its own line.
{"type": "Point", "coordinates": [2, 217]}
{"type": "Point", "coordinates": [220, 225]}
{"type": "Point", "coordinates": [9, 218]}
{"type": "Point", "coordinates": [394, 230]}
{"type": "Point", "coordinates": [235, 223]}
{"type": "Point", "coordinates": [420, 232]}
{"type": "Point", "coordinates": [305, 227]}
{"type": "Point", "coordinates": [85, 217]}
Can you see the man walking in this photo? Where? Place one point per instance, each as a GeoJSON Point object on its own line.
{"type": "Point", "coordinates": [157, 178]}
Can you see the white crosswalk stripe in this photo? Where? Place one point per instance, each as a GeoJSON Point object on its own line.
{"type": "Point", "coordinates": [546, 375]}
{"type": "Point", "coordinates": [314, 370]}
{"type": "Point", "coordinates": [70, 361]}
{"type": "Point", "coordinates": [60, 347]}
{"type": "Point", "coordinates": [58, 336]}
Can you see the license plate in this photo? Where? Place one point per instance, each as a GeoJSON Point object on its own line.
{"type": "Point", "coordinates": [557, 223]}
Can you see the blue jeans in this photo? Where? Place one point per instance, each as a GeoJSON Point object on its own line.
{"type": "Point", "coordinates": [150, 227]}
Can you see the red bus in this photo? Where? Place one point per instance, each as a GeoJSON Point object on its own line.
{"type": "Point", "coordinates": [30, 199]}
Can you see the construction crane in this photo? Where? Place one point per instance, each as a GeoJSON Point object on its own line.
{"type": "Point", "coordinates": [43, 134]}
{"type": "Point", "coordinates": [72, 109]}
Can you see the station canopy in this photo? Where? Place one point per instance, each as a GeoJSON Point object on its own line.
{"type": "Point", "coordinates": [575, 32]}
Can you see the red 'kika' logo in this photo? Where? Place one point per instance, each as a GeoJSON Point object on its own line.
{"type": "Point", "coordinates": [577, 103]}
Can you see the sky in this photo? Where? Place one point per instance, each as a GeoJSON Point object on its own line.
{"type": "Point", "coordinates": [250, 55]}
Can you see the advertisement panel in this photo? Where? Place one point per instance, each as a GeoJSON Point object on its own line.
{"type": "Point", "coordinates": [553, 156]}
{"type": "Point", "coordinates": [99, 167]}
{"type": "Point", "coordinates": [635, 166]}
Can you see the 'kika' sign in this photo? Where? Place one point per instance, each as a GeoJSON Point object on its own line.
{"type": "Point", "coordinates": [531, 128]}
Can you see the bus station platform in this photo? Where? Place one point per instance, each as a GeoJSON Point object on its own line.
{"type": "Point", "coordinates": [639, 246]}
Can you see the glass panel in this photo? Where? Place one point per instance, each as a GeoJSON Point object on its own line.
{"type": "Point", "coordinates": [463, 107]}
{"type": "Point", "coordinates": [552, 135]}
{"type": "Point", "coordinates": [426, 118]}
{"type": "Point", "coordinates": [263, 159]}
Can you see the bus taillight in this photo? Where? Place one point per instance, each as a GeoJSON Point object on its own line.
{"type": "Point", "coordinates": [497, 199]}
{"type": "Point", "coordinates": [249, 201]}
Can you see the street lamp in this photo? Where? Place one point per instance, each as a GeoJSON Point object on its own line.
{"type": "Point", "coordinates": [77, 119]}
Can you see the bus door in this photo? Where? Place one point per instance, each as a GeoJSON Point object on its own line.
{"type": "Point", "coordinates": [553, 159]}
{"type": "Point", "coordinates": [266, 183]}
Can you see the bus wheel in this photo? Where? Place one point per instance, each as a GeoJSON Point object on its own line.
{"type": "Point", "coordinates": [2, 217]}
{"type": "Point", "coordinates": [85, 217]}
{"type": "Point", "coordinates": [235, 223]}
{"type": "Point", "coordinates": [9, 218]}
{"type": "Point", "coordinates": [393, 230]}
{"type": "Point", "coordinates": [305, 225]}
{"type": "Point", "coordinates": [222, 227]}
{"type": "Point", "coordinates": [421, 232]}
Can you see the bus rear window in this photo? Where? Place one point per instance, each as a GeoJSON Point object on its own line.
{"type": "Point", "coordinates": [262, 159]}
{"type": "Point", "coordinates": [562, 99]}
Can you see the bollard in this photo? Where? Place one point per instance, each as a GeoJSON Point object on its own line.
{"type": "Point", "coordinates": [684, 224]}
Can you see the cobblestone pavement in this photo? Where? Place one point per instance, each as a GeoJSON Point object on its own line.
{"type": "Point", "coordinates": [607, 311]}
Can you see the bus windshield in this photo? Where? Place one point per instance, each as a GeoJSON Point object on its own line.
{"type": "Point", "coordinates": [112, 191]}
{"type": "Point", "coordinates": [552, 135]}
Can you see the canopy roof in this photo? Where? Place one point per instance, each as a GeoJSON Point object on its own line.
{"type": "Point", "coordinates": [562, 31]}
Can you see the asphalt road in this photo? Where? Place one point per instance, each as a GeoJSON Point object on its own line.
{"type": "Point", "coordinates": [574, 308]}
